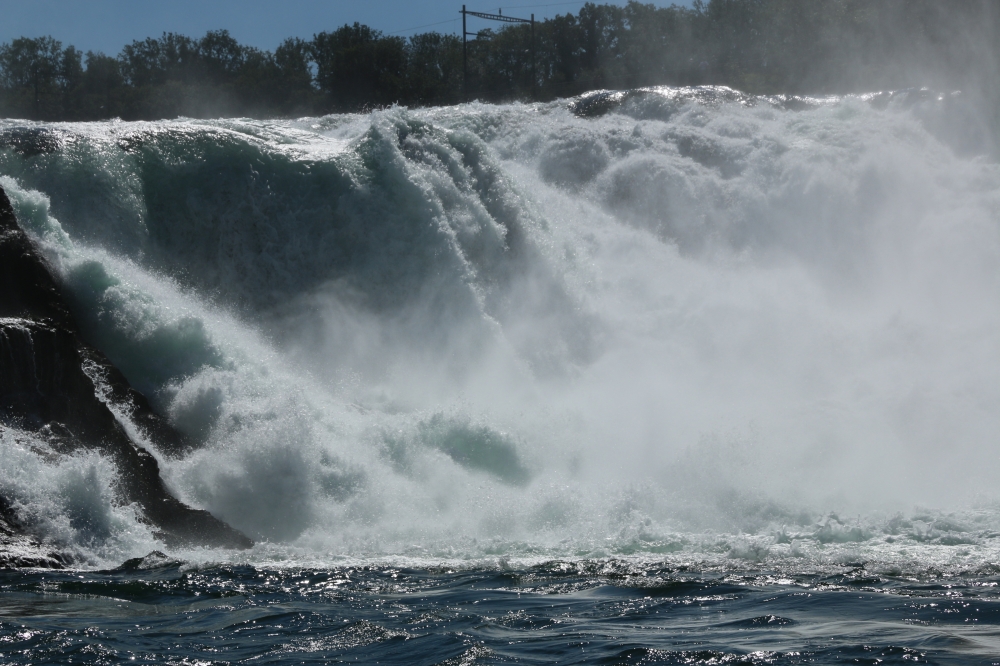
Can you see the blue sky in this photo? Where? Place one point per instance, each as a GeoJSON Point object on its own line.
{"type": "Point", "coordinates": [107, 25]}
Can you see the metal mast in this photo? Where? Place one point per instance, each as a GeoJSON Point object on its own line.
{"type": "Point", "coordinates": [492, 17]}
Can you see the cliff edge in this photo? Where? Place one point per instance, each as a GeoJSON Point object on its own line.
{"type": "Point", "coordinates": [56, 385]}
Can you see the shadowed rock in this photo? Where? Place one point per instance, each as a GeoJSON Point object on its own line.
{"type": "Point", "coordinates": [19, 550]}
{"type": "Point", "coordinates": [54, 384]}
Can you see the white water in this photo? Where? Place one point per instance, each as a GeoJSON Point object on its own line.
{"type": "Point", "coordinates": [506, 330]}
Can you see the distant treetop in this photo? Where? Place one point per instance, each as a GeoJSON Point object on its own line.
{"type": "Point", "coordinates": [759, 46]}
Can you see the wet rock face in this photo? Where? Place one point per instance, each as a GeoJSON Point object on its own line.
{"type": "Point", "coordinates": [41, 379]}
{"type": "Point", "coordinates": [53, 383]}
{"type": "Point", "coordinates": [18, 550]}
{"type": "Point", "coordinates": [28, 289]}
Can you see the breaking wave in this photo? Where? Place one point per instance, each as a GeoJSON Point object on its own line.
{"type": "Point", "coordinates": [670, 322]}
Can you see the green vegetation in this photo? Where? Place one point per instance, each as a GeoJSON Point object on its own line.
{"type": "Point", "coordinates": [767, 46]}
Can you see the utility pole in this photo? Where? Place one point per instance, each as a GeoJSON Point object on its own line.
{"type": "Point", "coordinates": [534, 79]}
{"type": "Point", "coordinates": [493, 17]}
{"type": "Point", "coordinates": [465, 59]}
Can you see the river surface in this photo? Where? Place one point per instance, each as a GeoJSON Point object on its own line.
{"type": "Point", "coordinates": [583, 612]}
{"type": "Point", "coordinates": [677, 375]}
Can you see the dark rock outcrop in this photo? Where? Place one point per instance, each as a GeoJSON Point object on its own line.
{"type": "Point", "coordinates": [54, 384]}
{"type": "Point", "coordinates": [19, 550]}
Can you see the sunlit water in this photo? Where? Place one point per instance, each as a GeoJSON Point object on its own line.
{"type": "Point", "coordinates": [607, 612]}
{"type": "Point", "coordinates": [686, 376]}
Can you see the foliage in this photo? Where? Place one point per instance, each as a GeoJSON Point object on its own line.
{"type": "Point", "coordinates": [763, 46]}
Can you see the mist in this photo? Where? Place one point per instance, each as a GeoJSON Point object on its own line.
{"type": "Point", "coordinates": [776, 47]}
{"type": "Point", "coordinates": [727, 270]}
{"type": "Point", "coordinates": [534, 328]}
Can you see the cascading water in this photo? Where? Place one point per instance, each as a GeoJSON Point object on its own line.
{"type": "Point", "coordinates": [682, 325]}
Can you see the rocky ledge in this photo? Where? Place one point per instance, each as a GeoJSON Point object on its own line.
{"type": "Point", "coordinates": [54, 384]}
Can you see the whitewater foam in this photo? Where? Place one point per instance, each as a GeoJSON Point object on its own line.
{"type": "Point", "coordinates": [522, 331]}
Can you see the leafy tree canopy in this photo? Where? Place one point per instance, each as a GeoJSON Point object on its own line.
{"type": "Point", "coordinates": [760, 46]}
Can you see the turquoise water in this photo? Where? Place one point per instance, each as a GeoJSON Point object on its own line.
{"type": "Point", "coordinates": [687, 378]}
{"type": "Point", "coordinates": [583, 612]}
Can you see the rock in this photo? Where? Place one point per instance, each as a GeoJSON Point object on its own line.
{"type": "Point", "coordinates": [55, 384]}
{"type": "Point", "coordinates": [28, 292]}
{"type": "Point", "coordinates": [155, 560]}
{"type": "Point", "coordinates": [18, 550]}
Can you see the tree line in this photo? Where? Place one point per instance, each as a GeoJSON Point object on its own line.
{"type": "Point", "coordinates": [759, 46]}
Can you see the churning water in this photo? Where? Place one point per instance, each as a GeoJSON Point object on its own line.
{"type": "Point", "coordinates": [677, 376]}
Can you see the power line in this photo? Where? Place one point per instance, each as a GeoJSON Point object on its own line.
{"type": "Point", "coordinates": [428, 25]}
{"type": "Point", "coordinates": [577, 2]}
{"type": "Point", "coordinates": [553, 4]}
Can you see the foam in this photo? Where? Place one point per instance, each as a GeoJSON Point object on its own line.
{"type": "Point", "coordinates": [457, 333]}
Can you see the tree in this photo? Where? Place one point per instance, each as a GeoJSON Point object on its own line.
{"type": "Point", "coordinates": [30, 68]}
{"type": "Point", "coordinates": [221, 57]}
{"type": "Point", "coordinates": [758, 46]}
{"type": "Point", "coordinates": [357, 66]}
{"type": "Point", "coordinates": [101, 83]}
{"type": "Point", "coordinates": [434, 69]}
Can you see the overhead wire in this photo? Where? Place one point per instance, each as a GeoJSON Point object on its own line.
{"type": "Point", "coordinates": [417, 27]}
{"type": "Point", "coordinates": [552, 4]}
{"type": "Point", "coordinates": [428, 25]}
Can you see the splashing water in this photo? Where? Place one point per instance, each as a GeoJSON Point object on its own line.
{"type": "Point", "coordinates": [695, 326]}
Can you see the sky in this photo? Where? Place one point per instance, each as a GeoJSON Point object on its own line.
{"type": "Point", "coordinates": [108, 25]}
